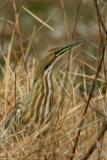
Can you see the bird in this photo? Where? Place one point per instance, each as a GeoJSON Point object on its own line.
{"type": "Point", "coordinates": [35, 107]}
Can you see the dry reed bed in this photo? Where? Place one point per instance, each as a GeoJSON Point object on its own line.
{"type": "Point", "coordinates": [64, 122]}
{"type": "Point", "coordinates": [62, 129]}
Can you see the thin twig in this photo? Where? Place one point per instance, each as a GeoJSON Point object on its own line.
{"type": "Point", "coordinates": [76, 18]}
{"type": "Point", "coordinates": [17, 27]}
{"type": "Point", "coordinates": [103, 45]}
{"type": "Point", "coordinates": [94, 145]}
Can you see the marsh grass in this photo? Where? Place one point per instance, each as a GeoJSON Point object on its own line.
{"type": "Point", "coordinates": [72, 132]}
{"type": "Point", "coordinates": [64, 117]}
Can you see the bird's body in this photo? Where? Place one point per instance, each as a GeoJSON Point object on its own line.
{"type": "Point", "coordinates": [34, 109]}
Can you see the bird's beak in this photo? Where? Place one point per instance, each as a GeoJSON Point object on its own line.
{"type": "Point", "coordinates": [69, 47]}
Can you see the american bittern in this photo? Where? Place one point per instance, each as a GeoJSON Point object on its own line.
{"type": "Point", "coordinates": [36, 106]}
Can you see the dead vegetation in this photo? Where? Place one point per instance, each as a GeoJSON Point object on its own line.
{"type": "Point", "coordinates": [77, 126]}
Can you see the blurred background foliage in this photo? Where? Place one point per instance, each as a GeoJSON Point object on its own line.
{"type": "Point", "coordinates": [51, 11]}
{"type": "Point", "coordinates": [70, 20]}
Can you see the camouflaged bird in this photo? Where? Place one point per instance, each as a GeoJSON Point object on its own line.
{"type": "Point", "coordinates": [35, 107]}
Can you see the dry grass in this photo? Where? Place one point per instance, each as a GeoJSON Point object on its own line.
{"type": "Point", "coordinates": [76, 129]}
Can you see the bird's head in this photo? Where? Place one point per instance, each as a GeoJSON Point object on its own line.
{"type": "Point", "coordinates": [50, 58]}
